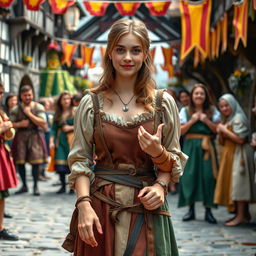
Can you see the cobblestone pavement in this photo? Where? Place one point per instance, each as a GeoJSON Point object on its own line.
{"type": "Point", "coordinates": [42, 223]}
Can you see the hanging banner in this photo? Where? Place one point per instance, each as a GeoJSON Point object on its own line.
{"type": "Point", "coordinates": [240, 22]}
{"type": "Point", "coordinates": [88, 54]}
{"type": "Point", "coordinates": [127, 9]}
{"type": "Point", "coordinates": [168, 66]}
{"type": "Point", "coordinates": [224, 34]}
{"type": "Point", "coordinates": [96, 8]}
{"type": "Point", "coordinates": [60, 6]}
{"type": "Point", "coordinates": [33, 5]}
{"type": "Point", "coordinates": [79, 63]}
{"type": "Point", "coordinates": [68, 52]}
{"type": "Point", "coordinates": [158, 8]}
{"type": "Point", "coordinates": [217, 49]}
{"type": "Point", "coordinates": [254, 4]}
{"type": "Point", "coordinates": [195, 24]}
{"type": "Point", "coordinates": [6, 3]}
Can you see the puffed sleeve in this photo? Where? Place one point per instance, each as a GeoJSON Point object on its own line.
{"type": "Point", "coordinates": [171, 135]}
{"type": "Point", "coordinates": [80, 157]}
{"type": "Point", "coordinates": [240, 129]}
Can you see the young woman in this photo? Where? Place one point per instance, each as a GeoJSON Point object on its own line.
{"type": "Point", "coordinates": [61, 133]}
{"type": "Point", "coordinates": [235, 186]}
{"type": "Point", "coordinates": [134, 133]}
{"type": "Point", "coordinates": [10, 102]}
{"type": "Point", "coordinates": [8, 177]}
{"type": "Point", "coordinates": [198, 125]}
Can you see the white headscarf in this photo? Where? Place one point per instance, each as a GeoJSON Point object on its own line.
{"type": "Point", "coordinates": [237, 112]}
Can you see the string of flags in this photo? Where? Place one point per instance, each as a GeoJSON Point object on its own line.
{"type": "Point", "coordinates": [197, 36]}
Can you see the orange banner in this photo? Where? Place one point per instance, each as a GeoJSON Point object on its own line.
{"type": "Point", "coordinates": [79, 62]}
{"type": "Point", "coordinates": [158, 8]}
{"type": "Point", "coordinates": [224, 33]}
{"type": "Point", "coordinates": [254, 4]}
{"type": "Point", "coordinates": [195, 23]}
{"type": "Point", "coordinates": [127, 9]}
{"type": "Point", "coordinates": [88, 54]}
{"type": "Point", "coordinates": [60, 6]}
{"type": "Point", "coordinates": [68, 52]}
{"type": "Point", "coordinates": [240, 22]}
{"type": "Point", "coordinates": [33, 5]}
{"type": "Point", "coordinates": [168, 66]}
{"type": "Point", "coordinates": [6, 3]}
{"type": "Point", "coordinates": [96, 8]}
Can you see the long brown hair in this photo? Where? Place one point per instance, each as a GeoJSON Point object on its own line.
{"type": "Point", "coordinates": [144, 84]}
{"type": "Point", "coordinates": [59, 108]}
{"type": "Point", "coordinates": [207, 105]}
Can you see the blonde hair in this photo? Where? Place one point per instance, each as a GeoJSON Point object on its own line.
{"type": "Point", "coordinates": [145, 84]}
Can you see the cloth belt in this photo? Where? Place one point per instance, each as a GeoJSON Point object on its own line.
{"type": "Point", "coordinates": [208, 148]}
{"type": "Point", "coordinates": [130, 177]}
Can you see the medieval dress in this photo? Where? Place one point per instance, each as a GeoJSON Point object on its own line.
{"type": "Point", "coordinates": [235, 180]}
{"type": "Point", "coordinates": [198, 180]}
{"type": "Point", "coordinates": [128, 228]}
{"type": "Point", "coordinates": [8, 178]}
{"type": "Point", "coordinates": [61, 142]}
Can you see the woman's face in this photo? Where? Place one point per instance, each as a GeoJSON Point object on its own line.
{"type": "Point", "coordinates": [65, 101]}
{"type": "Point", "coordinates": [12, 102]}
{"type": "Point", "coordinates": [225, 108]}
{"type": "Point", "coordinates": [198, 96]}
{"type": "Point", "coordinates": [184, 99]}
{"type": "Point", "coordinates": [127, 56]}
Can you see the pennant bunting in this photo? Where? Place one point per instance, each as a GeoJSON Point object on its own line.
{"type": "Point", "coordinates": [96, 8]}
{"type": "Point", "coordinates": [88, 55]}
{"type": "Point", "coordinates": [79, 62]}
{"type": "Point", "coordinates": [213, 43]}
{"type": "Point", "coordinates": [60, 6]}
{"type": "Point", "coordinates": [168, 66]}
{"type": "Point", "coordinates": [33, 5]}
{"type": "Point", "coordinates": [195, 23]}
{"type": "Point", "coordinates": [158, 8]}
{"type": "Point", "coordinates": [68, 52]}
{"type": "Point", "coordinates": [240, 22]}
{"type": "Point", "coordinates": [6, 3]}
{"type": "Point", "coordinates": [224, 33]}
{"type": "Point", "coordinates": [127, 9]}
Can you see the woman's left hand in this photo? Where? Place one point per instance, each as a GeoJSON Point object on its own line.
{"type": "Point", "coordinates": [152, 197]}
{"type": "Point", "coordinates": [151, 144]}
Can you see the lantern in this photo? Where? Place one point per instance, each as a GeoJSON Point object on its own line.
{"type": "Point", "coordinates": [71, 18]}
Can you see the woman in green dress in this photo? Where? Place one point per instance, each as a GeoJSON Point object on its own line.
{"type": "Point", "coordinates": [61, 136]}
{"type": "Point", "coordinates": [198, 125]}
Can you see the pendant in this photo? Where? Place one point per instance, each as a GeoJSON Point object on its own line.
{"type": "Point", "coordinates": [125, 108]}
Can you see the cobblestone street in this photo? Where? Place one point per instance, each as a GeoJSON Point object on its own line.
{"type": "Point", "coordinates": [42, 223]}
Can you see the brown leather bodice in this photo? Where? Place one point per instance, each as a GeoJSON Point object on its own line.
{"type": "Point", "coordinates": [122, 144]}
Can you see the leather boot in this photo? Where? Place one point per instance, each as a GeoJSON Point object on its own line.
{"type": "Point", "coordinates": [190, 215]}
{"type": "Point", "coordinates": [209, 217]}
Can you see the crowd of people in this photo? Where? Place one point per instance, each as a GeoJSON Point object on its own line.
{"type": "Point", "coordinates": [118, 186]}
{"type": "Point", "coordinates": [28, 130]}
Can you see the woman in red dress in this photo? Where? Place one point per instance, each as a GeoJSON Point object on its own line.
{"type": "Point", "coordinates": [8, 177]}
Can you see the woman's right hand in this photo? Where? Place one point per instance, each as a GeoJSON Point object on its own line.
{"type": "Point", "coordinates": [86, 219]}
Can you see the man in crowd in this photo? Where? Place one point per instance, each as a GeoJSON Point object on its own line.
{"type": "Point", "coordinates": [29, 120]}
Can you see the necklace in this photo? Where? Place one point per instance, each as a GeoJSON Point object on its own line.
{"type": "Point", "coordinates": [125, 107]}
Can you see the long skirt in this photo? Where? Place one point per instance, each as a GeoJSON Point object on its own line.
{"type": "Point", "coordinates": [116, 235]}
